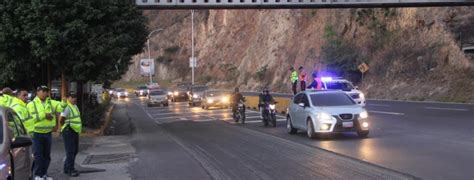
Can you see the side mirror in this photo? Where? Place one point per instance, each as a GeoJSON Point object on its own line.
{"type": "Point", "coordinates": [302, 105]}
{"type": "Point", "coordinates": [356, 87]}
{"type": "Point", "coordinates": [21, 141]}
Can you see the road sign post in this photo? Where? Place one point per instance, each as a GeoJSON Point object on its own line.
{"type": "Point", "coordinates": [363, 68]}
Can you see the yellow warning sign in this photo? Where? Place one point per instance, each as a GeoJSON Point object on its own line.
{"type": "Point", "coordinates": [363, 67]}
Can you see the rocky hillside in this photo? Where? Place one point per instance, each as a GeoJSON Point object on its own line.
{"type": "Point", "coordinates": [413, 53]}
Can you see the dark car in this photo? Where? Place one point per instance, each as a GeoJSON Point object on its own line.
{"type": "Point", "coordinates": [214, 98]}
{"type": "Point", "coordinates": [141, 91]}
{"type": "Point", "coordinates": [179, 95]}
{"type": "Point", "coordinates": [195, 94]}
{"type": "Point", "coordinates": [15, 147]}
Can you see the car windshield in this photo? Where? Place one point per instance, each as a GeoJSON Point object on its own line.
{"type": "Point", "coordinates": [120, 90]}
{"type": "Point", "coordinates": [331, 99]}
{"type": "Point", "coordinates": [157, 93]}
{"type": "Point", "coordinates": [335, 85]}
{"type": "Point", "coordinates": [199, 88]}
{"type": "Point", "coordinates": [141, 87]}
{"type": "Point", "coordinates": [214, 93]}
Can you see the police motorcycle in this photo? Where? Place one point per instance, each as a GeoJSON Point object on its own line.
{"type": "Point", "coordinates": [239, 114]}
{"type": "Point", "coordinates": [269, 114]}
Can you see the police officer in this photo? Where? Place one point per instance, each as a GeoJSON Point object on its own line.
{"type": "Point", "coordinates": [71, 128]}
{"type": "Point", "coordinates": [19, 106]}
{"type": "Point", "coordinates": [43, 123]}
{"type": "Point", "coordinates": [294, 80]}
{"type": "Point", "coordinates": [302, 78]}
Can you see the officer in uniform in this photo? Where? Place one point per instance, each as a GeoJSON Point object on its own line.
{"type": "Point", "coordinates": [71, 128]}
{"type": "Point", "coordinates": [43, 123]}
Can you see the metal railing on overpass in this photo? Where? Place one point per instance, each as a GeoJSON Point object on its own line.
{"type": "Point", "coordinates": [287, 4]}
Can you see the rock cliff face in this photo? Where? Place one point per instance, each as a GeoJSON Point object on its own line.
{"type": "Point", "coordinates": [413, 53]}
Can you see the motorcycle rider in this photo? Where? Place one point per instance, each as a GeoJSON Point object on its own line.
{"type": "Point", "coordinates": [264, 99]}
{"type": "Point", "coordinates": [235, 99]}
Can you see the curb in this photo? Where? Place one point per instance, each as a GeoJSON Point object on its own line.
{"type": "Point", "coordinates": [100, 131]}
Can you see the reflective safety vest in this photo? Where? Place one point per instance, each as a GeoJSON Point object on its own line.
{"type": "Point", "coordinates": [38, 110]}
{"type": "Point", "coordinates": [294, 76]}
{"type": "Point", "coordinates": [73, 119]}
{"type": "Point", "coordinates": [56, 106]}
{"type": "Point", "coordinates": [6, 100]}
{"type": "Point", "coordinates": [22, 111]}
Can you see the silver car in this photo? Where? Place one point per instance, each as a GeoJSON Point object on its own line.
{"type": "Point", "coordinates": [15, 147]}
{"type": "Point", "coordinates": [157, 97]}
{"type": "Point", "coordinates": [321, 113]}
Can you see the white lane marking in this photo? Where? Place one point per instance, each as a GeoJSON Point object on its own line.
{"type": "Point", "coordinates": [448, 109]}
{"type": "Point", "coordinates": [183, 119]}
{"type": "Point", "coordinates": [381, 105]}
{"type": "Point", "coordinates": [256, 121]}
{"type": "Point", "coordinates": [204, 120]}
{"type": "Point", "coordinates": [391, 113]}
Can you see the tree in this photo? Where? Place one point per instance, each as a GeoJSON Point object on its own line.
{"type": "Point", "coordinates": [85, 40]}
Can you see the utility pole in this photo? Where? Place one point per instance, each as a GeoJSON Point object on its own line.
{"type": "Point", "coordinates": [192, 48]}
{"type": "Point", "coordinates": [149, 56]}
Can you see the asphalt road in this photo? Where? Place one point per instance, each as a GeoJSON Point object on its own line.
{"type": "Point", "coordinates": [426, 140]}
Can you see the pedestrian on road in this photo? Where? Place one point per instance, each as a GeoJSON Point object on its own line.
{"type": "Point", "coordinates": [71, 128]}
{"type": "Point", "coordinates": [43, 124]}
{"type": "Point", "coordinates": [294, 79]}
{"type": "Point", "coordinates": [302, 78]}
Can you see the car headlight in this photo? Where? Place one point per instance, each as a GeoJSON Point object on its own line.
{"type": "Point", "coordinates": [225, 99]}
{"type": "Point", "coordinates": [272, 106]}
{"type": "Point", "coordinates": [361, 95]}
{"type": "Point", "coordinates": [170, 93]}
{"type": "Point", "coordinates": [176, 93]}
{"type": "Point", "coordinates": [111, 92]}
{"type": "Point", "coordinates": [210, 101]}
{"type": "Point", "coordinates": [324, 116]}
{"type": "Point", "coordinates": [195, 96]}
{"type": "Point", "coordinates": [363, 115]}
{"type": "Point", "coordinates": [126, 93]}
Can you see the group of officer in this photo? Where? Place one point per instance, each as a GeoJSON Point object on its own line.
{"type": "Point", "coordinates": [300, 76]}
{"type": "Point", "coordinates": [39, 117]}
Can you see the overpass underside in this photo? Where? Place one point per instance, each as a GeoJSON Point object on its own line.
{"type": "Point", "coordinates": [294, 4]}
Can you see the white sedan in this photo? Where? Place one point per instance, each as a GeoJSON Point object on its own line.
{"type": "Point", "coordinates": [326, 112]}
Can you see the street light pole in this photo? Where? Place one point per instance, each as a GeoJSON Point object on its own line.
{"type": "Point", "coordinates": [149, 56]}
{"type": "Point", "coordinates": [192, 47]}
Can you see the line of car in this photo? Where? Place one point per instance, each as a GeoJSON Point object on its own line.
{"type": "Point", "coordinates": [337, 109]}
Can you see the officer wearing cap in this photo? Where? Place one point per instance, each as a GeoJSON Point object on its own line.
{"type": "Point", "coordinates": [71, 128]}
{"type": "Point", "coordinates": [43, 123]}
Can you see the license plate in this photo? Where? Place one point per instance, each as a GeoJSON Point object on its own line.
{"type": "Point", "coordinates": [347, 124]}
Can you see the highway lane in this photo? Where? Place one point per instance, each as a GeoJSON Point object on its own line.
{"type": "Point", "coordinates": [211, 146]}
{"type": "Point", "coordinates": [428, 140]}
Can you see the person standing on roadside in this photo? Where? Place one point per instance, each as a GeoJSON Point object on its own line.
{"type": "Point", "coordinates": [43, 121]}
{"type": "Point", "coordinates": [293, 80]}
{"type": "Point", "coordinates": [302, 78]}
{"type": "Point", "coordinates": [71, 129]}
{"type": "Point", "coordinates": [19, 106]}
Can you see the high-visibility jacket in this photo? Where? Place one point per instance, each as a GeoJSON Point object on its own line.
{"type": "Point", "coordinates": [21, 110]}
{"type": "Point", "coordinates": [57, 106]}
{"type": "Point", "coordinates": [73, 119]}
{"type": "Point", "coordinates": [294, 76]}
{"type": "Point", "coordinates": [38, 110]}
{"type": "Point", "coordinates": [6, 100]}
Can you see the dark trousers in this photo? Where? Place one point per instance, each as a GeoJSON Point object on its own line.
{"type": "Point", "coordinates": [42, 152]}
{"type": "Point", "coordinates": [303, 85]}
{"type": "Point", "coordinates": [295, 84]}
{"type": "Point", "coordinates": [71, 144]}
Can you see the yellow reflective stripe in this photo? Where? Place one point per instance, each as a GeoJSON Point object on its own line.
{"type": "Point", "coordinates": [73, 122]}
{"type": "Point", "coordinates": [73, 117]}
{"type": "Point", "coordinates": [36, 112]}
